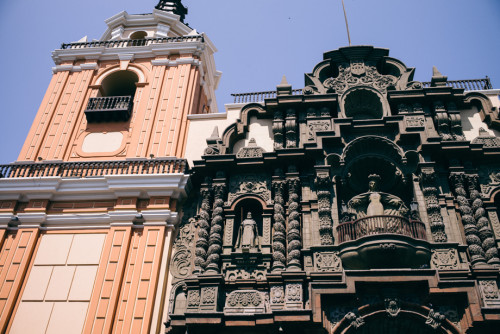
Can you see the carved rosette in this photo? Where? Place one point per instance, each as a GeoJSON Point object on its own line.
{"type": "Point", "coordinates": [471, 231]}
{"type": "Point", "coordinates": [215, 240]}
{"type": "Point", "coordinates": [278, 130]}
{"type": "Point", "coordinates": [279, 229]}
{"type": "Point", "coordinates": [323, 186]}
{"type": "Point", "coordinates": [489, 293]}
{"type": "Point", "coordinates": [482, 222]}
{"type": "Point", "coordinates": [430, 191]}
{"type": "Point", "coordinates": [203, 228]}
{"type": "Point", "coordinates": [293, 232]}
{"type": "Point", "coordinates": [291, 128]}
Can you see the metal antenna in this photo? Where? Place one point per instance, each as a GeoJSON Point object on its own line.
{"type": "Point", "coordinates": [346, 24]}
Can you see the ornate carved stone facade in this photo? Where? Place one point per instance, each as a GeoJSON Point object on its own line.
{"type": "Point", "coordinates": [363, 213]}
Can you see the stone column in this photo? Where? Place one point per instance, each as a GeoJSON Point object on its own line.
{"type": "Point", "coordinates": [427, 179]}
{"type": "Point", "coordinates": [323, 187]}
{"type": "Point", "coordinates": [279, 229]}
{"type": "Point", "coordinates": [203, 228]}
{"type": "Point", "coordinates": [293, 233]}
{"type": "Point", "coordinates": [215, 239]}
{"type": "Point", "coordinates": [470, 228]}
{"type": "Point", "coordinates": [482, 222]}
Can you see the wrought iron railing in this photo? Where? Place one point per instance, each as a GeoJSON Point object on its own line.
{"type": "Point", "coordinates": [110, 108]}
{"type": "Point", "coordinates": [375, 225]}
{"type": "Point", "coordinates": [471, 84]}
{"type": "Point", "coordinates": [132, 42]}
{"type": "Point", "coordinates": [94, 168]}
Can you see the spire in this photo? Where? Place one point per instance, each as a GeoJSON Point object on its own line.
{"type": "Point", "coordinates": [173, 6]}
{"type": "Point", "coordinates": [438, 80]}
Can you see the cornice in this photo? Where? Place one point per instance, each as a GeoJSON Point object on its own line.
{"type": "Point", "coordinates": [98, 188]}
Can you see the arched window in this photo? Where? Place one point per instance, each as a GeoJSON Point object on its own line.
{"type": "Point", "coordinates": [363, 103]}
{"type": "Point", "coordinates": [116, 101]}
{"type": "Point", "coordinates": [139, 35]}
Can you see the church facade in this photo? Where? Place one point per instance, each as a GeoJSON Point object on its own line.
{"type": "Point", "coordinates": [366, 202]}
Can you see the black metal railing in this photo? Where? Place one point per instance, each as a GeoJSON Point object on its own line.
{"type": "Point", "coordinates": [470, 84]}
{"type": "Point", "coordinates": [94, 168]}
{"type": "Point", "coordinates": [132, 42]}
{"type": "Point", "coordinates": [110, 108]}
{"type": "Point", "coordinates": [374, 225]}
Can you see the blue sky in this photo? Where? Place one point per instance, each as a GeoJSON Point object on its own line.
{"type": "Point", "coordinates": [258, 42]}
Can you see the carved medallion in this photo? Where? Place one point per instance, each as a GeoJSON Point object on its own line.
{"type": "Point", "coordinates": [327, 261]}
{"type": "Point", "coordinates": [444, 259]}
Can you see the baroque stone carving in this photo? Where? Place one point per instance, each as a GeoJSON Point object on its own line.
{"type": "Point", "coordinates": [277, 294]}
{"type": "Point", "coordinates": [278, 130]}
{"type": "Point", "coordinates": [323, 186]}
{"type": "Point", "coordinates": [248, 236]}
{"type": "Point", "coordinates": [442, 121]}
{"type": "Point", "coordinates": [414, 121]}
{"type": "Point", "coordinates": [489, 293]}
{"type": "Point", "coordinates": [315, 126]}
{"type": "Point", "coordinates": [482, 222]}
{"type": "Point", "coordinates": [250, 151]}
{"type": "Point", "coordinates": [245, 273]}
{"type": "Point", "coordinates": [193, 298]}
{"type": "Point", "coordinates": [428, 183]}
{"type": "Point", "coordinates": [293, 232]}
{"type": "Point", "coordinates": [444, 259]}
{"type": "Point", "coordinates": [327, 261]}
{"type": "Point", "coordinates": [392, 307]}
{"type": "Point", "coordinates": [434, 319]}
{"type": "Point", "coordinates": [471, 231]}
{"type": "Point", "coordinates": [214, 143]}
{"type": "Point", "coordinates": [181, 261]}
{"type": "Point", "coordinates": [291, 128]}
{"type": "Point", "coordinates": [293, 296]}
{"type": "Point", "coordinates": [215, 239]}
{"type": "Point", "coordinates": [359, 73]}
{"type": "Point", "coordinates": [279, 234]}
{"type": "Point", "coordinates": [355, 321]}
{"type": "Point", "coordinates": [203, 228]}
{"type": "Point", "coordinates": [486, 139]}
{"type": "Point", "coordinates": [254, 184]}
{"type": "Point", "coordinates": [245, 301]}
{"type": "Point", "coordinates": [208, 295]}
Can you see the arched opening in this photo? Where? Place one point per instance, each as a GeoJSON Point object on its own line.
{"type": "Point", "coordinates": [138, 35]}
{"type": "Point", "coordinates": [363, 103]}
{"type": "Point", "coordinates": [242, 209]}
{"type": "Point", "coordinates": [116, 101]}
{"type": "Point", "coordinates": [120, 83]}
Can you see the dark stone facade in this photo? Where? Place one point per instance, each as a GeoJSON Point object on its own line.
{"type": "Point", "coordinates": [373, 213]}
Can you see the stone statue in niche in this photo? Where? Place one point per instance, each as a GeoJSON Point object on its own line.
{"type": "Point", "coordinates": [376, 203]}
{"type": "Point", "coordinates": [248, 236]}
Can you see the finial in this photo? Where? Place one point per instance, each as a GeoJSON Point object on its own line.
{"type": "Point", "coordinates": [438, 80]}
{"type": "Point", "coordinates": [284, 88]}
{"type": "Point", "coordinates": [173, 6]}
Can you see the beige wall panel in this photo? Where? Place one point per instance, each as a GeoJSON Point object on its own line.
{"type": "Point", "coordinates": [60, 283]}
{"type": "Point", "coordinates": [67, 318]}
{"type": "Point", "coordinates": [38, 283]}
{"type": "Point", "coordinates": [43, 117]}
{"type": "Point", "coordinates": [83, 282]}
{"type": "Point", "coordinates": [32, 318]}
{"type": "Point", "coordinates": [54, 249]}
{"type": "Point", "coordinates": [86, 249]}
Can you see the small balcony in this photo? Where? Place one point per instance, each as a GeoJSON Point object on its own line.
{"type": "Point", "coordinates": [383, 242]}
{"type": "Point", "coordinates": [109, 109]}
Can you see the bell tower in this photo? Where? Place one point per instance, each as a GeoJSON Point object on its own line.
{"type": "Point", "coordinates": [88, 210]}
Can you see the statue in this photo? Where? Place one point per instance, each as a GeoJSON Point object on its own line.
{"type": "Point", "coordinates": [376, 203]}
{"type": "Point", "coordinates": [248, 236]}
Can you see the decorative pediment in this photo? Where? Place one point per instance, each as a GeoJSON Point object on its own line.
{"type": "Point", "coordinates": [250, 151]}
{"type": "Point", "coordinates": [249, 184]}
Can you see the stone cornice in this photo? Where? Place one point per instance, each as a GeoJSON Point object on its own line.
{"type": "Point", "coordinates": [98, 188]}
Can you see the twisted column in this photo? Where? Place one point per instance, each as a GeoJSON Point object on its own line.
{"type": "Point", "coordinates": [215, 240]}
{"type": "Point", "coordinates": [323, 184]}
{"type": "Point", "coordinates": [203, 228]}
{"type": "Point", "coordinates": [482, 223]}
{"type": "Point", "coordinates": [293, 232]}
{"type": "Point", "coordinates": [471, 232]}
{"type": "Point", "coordinates": [279, 229]}
{"type": "Point", "coordinates": [427, 179]}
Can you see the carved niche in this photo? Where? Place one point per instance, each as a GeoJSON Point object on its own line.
{"type": "Point", "coordinates": [249, 184]}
